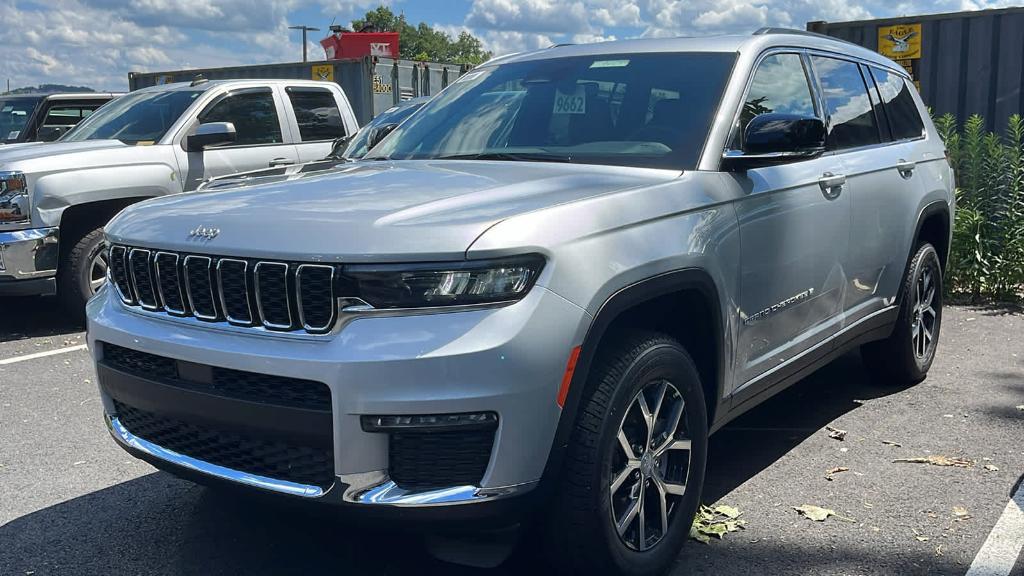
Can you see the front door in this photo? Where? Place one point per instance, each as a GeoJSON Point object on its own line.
{"type": "Point", "coordinates": [794, 223]}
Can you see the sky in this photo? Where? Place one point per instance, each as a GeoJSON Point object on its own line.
{"type": "Point", "coordinates": [97, 42]}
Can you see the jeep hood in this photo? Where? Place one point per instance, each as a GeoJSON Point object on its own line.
{"type": "Point", "coordinates": [369, 211]}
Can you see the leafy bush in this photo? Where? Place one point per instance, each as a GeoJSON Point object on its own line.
{"type": "Point", "coordinates": [987, 256]}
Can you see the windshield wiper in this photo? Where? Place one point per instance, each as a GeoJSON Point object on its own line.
{"type": "Point", "coordinates": [511, 156]}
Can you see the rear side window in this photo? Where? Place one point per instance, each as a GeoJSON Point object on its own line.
{"type": "Point", "coordinates": [252, 112]}
{"type": "Point", "coordinates": [779, 85]}
{"type": "Point", "coordinates": [898, 103]}
{"type": "Point", "coordinates": [68, 114]}
{"type": "Point", "coordinates": [317, 113]}
{"type": "Point", "coordinates": [851, 118]}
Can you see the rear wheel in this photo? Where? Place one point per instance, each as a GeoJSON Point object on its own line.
{"type": "Point", "coordinates": [636, 462]}
{"type": "Point", "coordinates": [905, 357]}
{"type": "Point", "coordinates": [83, 272]}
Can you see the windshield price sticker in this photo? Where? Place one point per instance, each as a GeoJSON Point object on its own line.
{"type": "Point", "coordinates": [574, 103]}
{"type": "Point", "coordinates": [14, 134]}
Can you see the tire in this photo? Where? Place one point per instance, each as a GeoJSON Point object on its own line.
{"type": "Point", "coordinates": [903, 359]}
{"type": "Point", "coordinates": [75, 277]}
{"type": "Point", "coordinates": [581, 532]}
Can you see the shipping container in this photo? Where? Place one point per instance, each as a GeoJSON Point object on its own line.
{"type": "Point", "coordinates": [372, 84]}
{"type": "Point", "coordinates": [963, 63]}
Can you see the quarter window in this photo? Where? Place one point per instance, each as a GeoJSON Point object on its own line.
{"type": "Point", "coordinates": [898, 103]}
{"type": "Point", "coordinates": [851, 118]}
{"type": "Point", "coordinates": [254, 115]}
{"type": "Point", "coordinates": [317, 113]}
{"type": "Point", "coordinates": [780, 86]}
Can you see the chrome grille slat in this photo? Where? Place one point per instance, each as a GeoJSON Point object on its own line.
{"type": "Point", "coordinates": [237, 293]}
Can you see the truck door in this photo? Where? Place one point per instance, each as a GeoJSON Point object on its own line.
{"type": "Point", "coordinates": [319, 118]}
{"type": "Point", "coordinates": [262, 139]}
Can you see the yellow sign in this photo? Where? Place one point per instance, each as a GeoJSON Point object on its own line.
{"type": "Point", "coordinates": [380, 86]}
{"type": "Point", "coordinates": [324, 72]}
{"type": "Point", "coordinates": [902, 41]}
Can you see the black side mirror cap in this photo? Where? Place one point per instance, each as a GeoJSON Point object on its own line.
{"type": "Point", "coordinates": [211, 134]}
{"type": "Point", "coordinates": [777, 138]}
{"type": "Point", "coordinates": [379, 133]}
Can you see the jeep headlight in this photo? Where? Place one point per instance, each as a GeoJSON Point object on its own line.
{"type": "Point", "coordinates": [14, 204]}
{"type": "Point", "coordinates": [444, 284]}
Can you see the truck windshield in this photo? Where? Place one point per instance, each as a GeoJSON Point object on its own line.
{"type": "Point", "coordinates": [138, 119]}
{"type": "Point", "coordinates": [650, 110]}
{"type": "Point", "coordinates": [14, 114]}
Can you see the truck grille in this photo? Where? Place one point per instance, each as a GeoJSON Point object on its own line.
{"type": "Point", "coordinates": [280, 296]}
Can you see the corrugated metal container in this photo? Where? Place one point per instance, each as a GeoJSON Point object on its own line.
{"type": "Point", "coordinates": [968, 62]}
{"type": "Point", "coordinates": [372, 84]}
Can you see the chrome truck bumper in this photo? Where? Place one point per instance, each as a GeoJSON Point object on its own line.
{"type": "Point", "coordinates": [28, 262]}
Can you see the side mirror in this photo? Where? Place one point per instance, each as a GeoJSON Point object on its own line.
{"type": "Point", "coordinates": [379, 133]}
{"type": "Point", "coordinates": [211, 134]}
{"type": "Point", "coordinates": [776, 138]}
{"type": "Point", "coordinates": [50, 133]}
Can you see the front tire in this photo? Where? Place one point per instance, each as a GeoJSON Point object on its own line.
{"type": "Point", "coordinates": [636, 462]}
{"type": "Point", "coordinates": [82, 272]}
{"type": "Point", "coordinates": [905, 357]}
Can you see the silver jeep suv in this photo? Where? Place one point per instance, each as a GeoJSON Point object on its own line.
{"type": "Point", "coordinates": [549, 286]}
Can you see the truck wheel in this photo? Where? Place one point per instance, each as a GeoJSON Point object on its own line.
{"type": "Point", "coordinates": [82, 273]}
{"type": "Point", "coordinates": [636, 462]}
{"type": "Point", "coordinates": [905, 356]}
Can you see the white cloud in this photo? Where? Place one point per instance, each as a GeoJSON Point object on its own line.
{"type": "Point", "coordinates": [536, 16]}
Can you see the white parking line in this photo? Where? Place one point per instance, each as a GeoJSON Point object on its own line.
{"type": "Point", "coordinates": [17, 359]}
{"type": "Point", "coordinates": [999, 553]}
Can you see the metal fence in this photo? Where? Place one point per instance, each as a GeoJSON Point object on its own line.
{"type": "Point", "coordinates": [965, 62]}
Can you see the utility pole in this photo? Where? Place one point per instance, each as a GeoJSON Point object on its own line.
{"type": "Point", "coordinates": [305, 47]}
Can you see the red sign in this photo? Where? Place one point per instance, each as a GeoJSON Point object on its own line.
{"type": "Point", "coordinates": [358, 44]}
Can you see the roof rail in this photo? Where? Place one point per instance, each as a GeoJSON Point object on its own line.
{"type": "Point", "coordinates": [560, 45]}
{"type": "Point", "coordinates": [795, 31]}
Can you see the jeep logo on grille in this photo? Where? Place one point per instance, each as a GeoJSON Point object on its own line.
{"type": "Point", "coordinates": [203, 233]}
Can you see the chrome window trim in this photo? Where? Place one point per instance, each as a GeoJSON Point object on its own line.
{"type": "Point", "coordinates": [135, 283]}
{"type": "Point", "coordinates": [298, 296]}
{"type": "Point", "coordinates": [287, 296]}
{"type": "Point", "coordinates": [126, 298]}
{"type": "Point", "coordinates": [188, 287]}
{"type": "Point", "coordinates": [160, 287]}
{"type": "Point", "coordinates": [245, 287]}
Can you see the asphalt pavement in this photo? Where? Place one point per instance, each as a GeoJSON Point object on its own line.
{"type": "Point", "coordinates": [71, 502]}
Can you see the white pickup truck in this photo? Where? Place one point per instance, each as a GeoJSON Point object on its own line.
{"type": "Point", "coordinates": [55, 198]}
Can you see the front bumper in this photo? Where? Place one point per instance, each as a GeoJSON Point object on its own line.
{"type": "Point", "coordinates": [508, 360]}
{"type": "Point", "coordinates": [28, 261]}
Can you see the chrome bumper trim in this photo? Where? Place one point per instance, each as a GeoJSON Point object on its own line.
{"type": "Point", "coordinates": [123, 436]}
{"type": "Point", "coordinates": [28, 254]}
{"type": "Point", "coordinates": [375, 488]}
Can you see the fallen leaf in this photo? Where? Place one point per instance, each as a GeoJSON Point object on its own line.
{"type": "Point", "coordinates": [891, 443]}
{"type": "Point", "coordinates": [921, 538]}
{"type": "Point", "coordinates": [698, 536]}
{"type": "Point", "coordinates": [937, 460]}
{"type": "Point", "coordinates": [833, 471]}
{"type": "Point", "coordinates": [717, 522]}
{"type": "Point", "coordinates": [836, 433]}
{"type": "Point", "coordinates": [817, 513]}
{"type": "Point", "coordinates": [728, 511]}
{"type": "Point", "coordinates": [959, 511]}
{"type": "Point", "coordinates": [938, 550]}
{"type": "Point", "coordinates": [991, 468]}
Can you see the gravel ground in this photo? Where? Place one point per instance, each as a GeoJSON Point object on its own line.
{"type": "Point", "coordinates": [71, 502]}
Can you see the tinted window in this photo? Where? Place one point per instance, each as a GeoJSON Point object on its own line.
{"type": "Point", "coordinates": [851, 118]}
{"type": "Point", "coordinates": [899, 105]}
{"type": "Point", "coordinates": [779, 85]}
{"type": "Point", "coordinates": [317, 113]}
{"type": "Point", "coordinates": [68, 114]}
{"type": "Point", "coordinates": [618, 109]}
{"type": "Point", "coordinates": [252, 112]}
{"type": "Point", "coordinates": [138, 118]}
{"type": "Point", "coordinates": [14, 113]}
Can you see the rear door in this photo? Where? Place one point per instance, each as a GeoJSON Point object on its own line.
{"type": "Point", "coordinates": [319, 119]}
{"type": "Point", "coordinates": [794, 222]}
{"type": "Point", "coordinates": [264, 138]}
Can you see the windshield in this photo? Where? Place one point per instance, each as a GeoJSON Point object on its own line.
{"type": "Point", "coordinates": [14, 113]}
{"type": "Point", "coordinates": [141, 118]}
{"type": "Point", "coordinates": [650, 110]}
{"type": "Point", "coordinates": [357, 147]}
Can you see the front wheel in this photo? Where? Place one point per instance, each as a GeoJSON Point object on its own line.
{"type": "Point", "coordinates": [636, 462]}
{"type": "Point", "coordinates": [82, 273]}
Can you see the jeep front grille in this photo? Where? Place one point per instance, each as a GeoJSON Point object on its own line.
{"type": "Point", "coordinates": [280, 296]}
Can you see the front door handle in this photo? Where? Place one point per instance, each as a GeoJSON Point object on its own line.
{"type": "Point", "coordinates": [278, 162]}
{"type": "Point", "coordinates": [831, 185]}
{"type": "Point", "coordinates": [905, 168]}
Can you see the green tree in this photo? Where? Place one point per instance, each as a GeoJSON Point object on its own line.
{"type": "Point", "coordinates": [423, 42]}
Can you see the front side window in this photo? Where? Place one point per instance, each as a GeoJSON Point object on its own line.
{"type": "Point", "coordinates": [779, 86]}
{"type": "Point", "coordinates": [253, 114]}
{"type": "Point", "coordinates": [14, 114]}
{"type": "Point", "coordinates": [317, 114]}
{"type": "Point", "coordinates": [898, 103]}
{"type": "Point", "coordinates": [138, 119]}
{"type": "Point", "coordinates": [650, 110]}
{"type": "Point", "coordinates": [851, 117]}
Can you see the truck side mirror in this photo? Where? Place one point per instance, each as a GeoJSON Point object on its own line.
{"type": "Point", "coordinates": [211, 134]}
{"type": "Point", "coordinates": [379, 133]}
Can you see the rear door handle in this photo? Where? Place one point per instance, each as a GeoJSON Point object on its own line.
{"type": "Point", "coordinates": [831, 185]}
{"type": "Point", "coordinates": [277, 162]}
{"type": "Point", "coordinates": [906, 168]}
